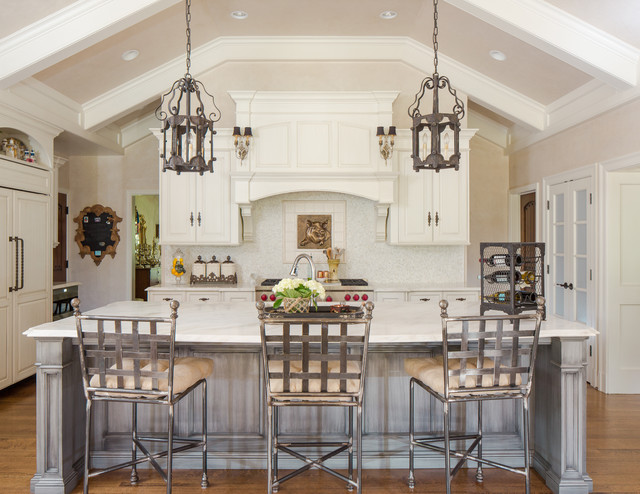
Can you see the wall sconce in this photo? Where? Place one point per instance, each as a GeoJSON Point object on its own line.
{"type": "Point", "coordinates": [386, 142]}
{"type": "Point", "coordinates": [241, 142]}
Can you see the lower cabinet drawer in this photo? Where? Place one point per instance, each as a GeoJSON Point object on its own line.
{"type": "Point", "coordinates": [457, 297]}
{"type": "Point", "coordinates": [236, 296]}
{"type": "Point", "coordinates": [154, 296]}
{"type": "Point", "coordinates": [425, 297]}
{"type": "Point", "coordinates": [390, 296]}
{"type": "Point", "coordinates": [203, 297]}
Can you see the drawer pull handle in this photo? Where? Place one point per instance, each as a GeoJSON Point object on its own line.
{"type": "Point", "coordinates": [461, 299]}
{"type": "Point", "coordinates": [167, 299]}
{"type": "Point", "coordinates": [424, 299]}
{"type": "Point", "coordinates": [429, 218]}
{"type": "Point", "coordinates": [203, 299]}
{"type": "Point", "coordinates": [191, 218]}
{"type": "Point", "coordinates": [437, 218]}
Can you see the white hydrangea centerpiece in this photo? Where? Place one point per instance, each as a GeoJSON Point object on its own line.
{"type": "Point", "coordinates": [297, 288]}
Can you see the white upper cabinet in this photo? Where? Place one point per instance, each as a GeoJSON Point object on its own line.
{"type": "Point", "coordinates": [432, 208]}
{"type": "Point", "coordinates": [196, 209]}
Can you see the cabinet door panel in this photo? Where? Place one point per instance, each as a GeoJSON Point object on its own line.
{"type": "Point", "coordinates": [212, 192]}
{"type": "Point", "coordinates": [450, 205]}
{"type": "Point", "coordinates": [29, 312]}
{"type": "Point", "coordinates": [6, 361]}
{"type": "Point", "coordinates": [31, 224]}
{"type": "Point", "coordinates": [414, 203]}
{"type": "Point", "coordinates": [177, 207]}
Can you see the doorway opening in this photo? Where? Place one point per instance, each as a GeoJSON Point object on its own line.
{"type": "Point", "coordinates": [146, 244]}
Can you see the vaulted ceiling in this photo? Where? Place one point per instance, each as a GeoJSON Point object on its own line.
{"type": "Point", "coordinates": [566, 60]}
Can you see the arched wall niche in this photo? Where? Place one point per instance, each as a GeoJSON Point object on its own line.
{"type": "Point", "coordinates": [36, 135]}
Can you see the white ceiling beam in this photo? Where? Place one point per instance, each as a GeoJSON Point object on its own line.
{"type": "Point", "coordinates": [138, 92]}
{"type": "Point", "coordinates": [489, 129]}
{"type": "Point", "coordinates": [67, 32]}
{"type": "Point", "coordinates": [561, 35]}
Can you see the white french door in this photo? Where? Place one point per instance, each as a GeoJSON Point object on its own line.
{"type": "Point", "coordinates": [622, 283]}
{"type": "Point", "coordinates": [570, 257]}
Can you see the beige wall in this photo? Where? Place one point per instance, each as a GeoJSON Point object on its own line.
{"type": "Point", "coordinates": [107, 180]}
{"type": "Point", "coordinates": [606, 136]}
{"type": "Point", "coordinates": [488, 200]}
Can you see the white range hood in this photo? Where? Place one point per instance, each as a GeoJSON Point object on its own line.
{"type": "Point", "coordinates": [314, 141]}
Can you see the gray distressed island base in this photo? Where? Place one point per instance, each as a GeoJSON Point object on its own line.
{"type": "Point", "coordinates": [229, 334]}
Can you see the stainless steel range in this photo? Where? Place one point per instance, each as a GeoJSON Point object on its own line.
{"type": "Point", "coordinates": [348, 290]}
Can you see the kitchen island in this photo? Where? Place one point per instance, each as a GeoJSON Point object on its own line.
{"type": "Point", "coordinates": [229, 334]}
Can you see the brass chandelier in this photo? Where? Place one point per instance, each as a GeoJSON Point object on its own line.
{"type": "Point", "coordinates": [431, 135]}
{"type": "Point", "coordinates": [187, 129]}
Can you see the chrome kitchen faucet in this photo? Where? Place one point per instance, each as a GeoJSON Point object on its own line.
{"type": "Point", "coordinates": [294, 268]}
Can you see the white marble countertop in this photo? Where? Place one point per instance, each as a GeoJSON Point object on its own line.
{"type": "Point", "coordinates": [237, 322]}
{"type": "Point", "coordinates": [422, 287]}
{"type": "Point", "coordinates": [65, 284]}
{"type": "Point", "coordinates": [173, 287]}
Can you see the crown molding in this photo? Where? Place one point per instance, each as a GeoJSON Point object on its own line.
{"type": "Point", "coordinates": [561, 35]}
{"type": "Point", "coordinates": [68, 31]}
{"type": "Point", "coordinates": [136, 93]}
{"type": "Point", "coordinates": [489, 129]}
{"type": "Point", "coordinates": [40, 102]}
{"type": "Point", "coordinates": [585, 103]}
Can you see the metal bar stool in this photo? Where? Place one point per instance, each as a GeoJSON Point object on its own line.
{"type": "Point", "coordinates": [314, 360]}
{"type": "Point", "coordinates": [132, 360]}
{"type": "Point", "coordinates": [483, 358]}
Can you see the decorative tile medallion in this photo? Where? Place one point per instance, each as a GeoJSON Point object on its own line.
{"type": "Point", "coordinates": [314, 231]}
{"type": "Point", "coordinates": [311, 226]}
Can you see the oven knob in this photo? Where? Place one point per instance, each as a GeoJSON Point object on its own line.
{"type": "Point", "coordinates": [356, 297]}
{"type": "Point", "coordinates": [347, 297]}
{"type": "Point", "coordinates": [272, 297]}
{"type": "Point", "coordinates": [329, 299]}
{"type": "Point", "coordinates": [263, 297]}
{"type": "Point", "coordinates": [365, 296]}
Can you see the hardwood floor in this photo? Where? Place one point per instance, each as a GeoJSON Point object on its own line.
{"type": "Point", "coordinates": [613, 459]}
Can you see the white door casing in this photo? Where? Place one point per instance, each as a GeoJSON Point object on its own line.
{"type": "Point", "coordinates": [622, 282]}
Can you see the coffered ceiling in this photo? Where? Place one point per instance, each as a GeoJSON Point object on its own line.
{"type": "Point", "coordinates": [566, 60]}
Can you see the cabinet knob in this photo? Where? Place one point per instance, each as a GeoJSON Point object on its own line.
{"type": "Point", "coordinates": [424, 299]}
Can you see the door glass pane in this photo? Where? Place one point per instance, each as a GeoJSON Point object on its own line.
{"type": "Point", "coordinates": [559, 199]}
{"type": "Point", "coordinates": [581, 307]}
{"type": "Point", "coordinates": [581, 205]}
{"type": "Point", "coordinates": [559, 239]}
{"type": "Point", "coordinates": [560, 291]}
{"type": "Point", "coordinates": [581, 239]}
{"type": "Point", "coordinates": [581, 272]}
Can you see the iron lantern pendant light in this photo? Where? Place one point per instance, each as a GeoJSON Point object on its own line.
{"type": "Point", "coordinates": [431, 135]}
{"type": "Point", "coordinates": [186, 127]}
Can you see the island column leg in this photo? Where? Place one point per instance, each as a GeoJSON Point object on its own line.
{"type": "Point", "coordinates": [59, 421]}
{"type": "Point", "coordinates": [561, 416]}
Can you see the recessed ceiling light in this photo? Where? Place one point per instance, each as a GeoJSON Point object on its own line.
{"type": "Point", "coordinates": [388, 14]}
{"type": "Point", "coordinates": [129, 55]}
{"type": "Point", "coordinates": [239, 14]}
{"type": "Point", "coordinates": [498, 55]}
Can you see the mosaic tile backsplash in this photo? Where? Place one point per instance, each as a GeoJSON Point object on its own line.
{"type": "Point", "coordinates": [378, 262]}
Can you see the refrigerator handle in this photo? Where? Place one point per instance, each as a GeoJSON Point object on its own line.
{"type": "Point", "coordinates": [21, 264]}
{"type": "Point", "coordinates": [15, 287]}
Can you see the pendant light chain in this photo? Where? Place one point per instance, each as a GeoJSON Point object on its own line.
{"type": "Point", "coordinates": [188, 16]}
{"type": "Point", "coordinates": [435, 36]}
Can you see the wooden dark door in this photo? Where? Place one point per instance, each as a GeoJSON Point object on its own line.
{"type": "Point", "coordinates": [60, 252]}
